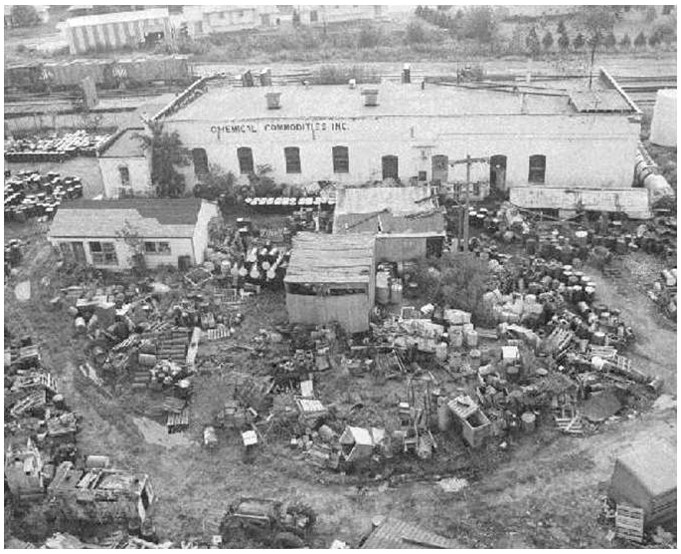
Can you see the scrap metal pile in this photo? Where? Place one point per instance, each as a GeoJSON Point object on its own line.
{"type": "Point", "coordinates": [54, 148]}
{"type": "Point", "coordinates": [29, 194]}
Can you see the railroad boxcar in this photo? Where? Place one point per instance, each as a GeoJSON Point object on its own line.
{"type": "Point", "coordinates": [29, 77]}
{"type": "Point", "coordinates": [70, 74]}
{"type": "Point", "coordinates": [140, 71]}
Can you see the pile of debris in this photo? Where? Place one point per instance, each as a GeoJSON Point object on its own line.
{"type": "Point", "coordinates": [664, 291]}
{"type": "Point", "coordinates": [30, 194]}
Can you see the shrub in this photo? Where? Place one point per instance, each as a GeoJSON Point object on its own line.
{"type": "Point", "coordinates": [640, 40]}
{"type": "Point", "coordinates": [416, 33]}
{"type": "Point", "coordinates": [564, 42]}
{"type": "Point", "coordinates": [579, 42]}
{"type": "Point", "coordinates": [547, 41]}
{"type": "Point", "coordinates": [625, 42]}
{"type": "Point", "coordinates": [532, 42]}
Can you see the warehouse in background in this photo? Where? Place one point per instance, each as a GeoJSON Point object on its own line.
{"type": "Point", "coordinates": [554, 149]}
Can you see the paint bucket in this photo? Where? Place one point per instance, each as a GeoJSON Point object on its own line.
{"type": "Point", "coordinates": [80, 325]}
{"type": "Point", "coordinates": [528, 422]}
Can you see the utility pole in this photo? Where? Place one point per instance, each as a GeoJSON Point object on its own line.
{"type": "Point", "coordinates": [468, 161]}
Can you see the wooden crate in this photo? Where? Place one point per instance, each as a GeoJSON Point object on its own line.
{"type": "Point", "coordinates": [629, 523]}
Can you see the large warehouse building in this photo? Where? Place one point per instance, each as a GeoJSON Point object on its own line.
{"type": "Point", "coordinates": [544, 144]}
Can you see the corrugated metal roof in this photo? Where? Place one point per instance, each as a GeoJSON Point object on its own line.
{"type": "Point", "coordinates": [322, 258]}
{"type": "Point", "coordinates": [654, 465]}
{"type": "Point", "coordinates": [151, 218]}
{"type": "Point", "coordinates": [117, 17]}
{"type": "Point", "coordinates": [394, 533]}
{"type": "Point", "coordinates": [393, 210]}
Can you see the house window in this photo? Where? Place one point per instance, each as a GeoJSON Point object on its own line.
{"type": "Point", "coordinates": [200, 160]}
{"type": "Point", "coordinates": [292, 154]}
{"type": "Point", "coordinates": [157, 248]}
{"type": "Point", "coordinates": [245, 156]}
{"type": "Point", "coordinates": [341, 159]}
{"type": "Point", "coordinates": [103, 253]}
{"type": "Point", "coordinates": [537, 168]}
{"type": "Point", "coordinates": [124, 175]}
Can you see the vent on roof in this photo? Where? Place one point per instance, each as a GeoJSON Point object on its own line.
{"type": "Point", "coordinates": [370, 97]}
{"type": "Point", "coordinates": [406, 73]}
{"type": "Point", "coordinates": [273, 102]}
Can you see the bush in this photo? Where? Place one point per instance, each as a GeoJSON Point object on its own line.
{"type": "Point", "coordinates": [547, 41]}
{"type": "Point", "coordinates": [625, 42]}
{"type": "Point", "coordinates": [564, 42]}
{"type": "Point", "coordinates": [340, 75]}
{"type": "Point", "coordinates": [579, 42]}
{"type": "Point", "coordinates": [24, 16]}
{"type": "Point", "coordinates": [532, 42]}
{"type": "Point", "coordinates": [369, 37]}
{"type": "Point", "coordinates": [610, 40]}
{"type": "Point", "coordinates": [640, 40]}
{"type": "Point", "coordinates": [416, 34]}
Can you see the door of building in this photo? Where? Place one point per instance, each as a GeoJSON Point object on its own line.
{"type": "Point", "coordinates": [390, 167]}
{"type": "Point", "coordinates": [497, 172]}
{"type": "Point", "coordinates": [79, 252]}
{"type": "Point", "coordinates": [440, 168]}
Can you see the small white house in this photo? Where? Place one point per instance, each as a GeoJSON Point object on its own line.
{"type": "Point", "coordinates": [171, 231]}
{"type": "Point", "coordinates": [125, 165]}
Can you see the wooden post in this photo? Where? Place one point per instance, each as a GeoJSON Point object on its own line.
{"type": "Point", "coordinates": [466, 209]}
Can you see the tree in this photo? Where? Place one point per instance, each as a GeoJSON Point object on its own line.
{"type": "Point", "coordinates": [561, 30]}
{"type": "Point", "coordinates": [532, 42]}
{"type": "Point", "coordinates": [24, 16]}
{"type": "Point", "coordinates": [666, 32]}
{"type": "Point", "coordinates": [610, 40]}
{"type": "Point", "coordinates": [640, 40]}
{"type": "Point", "coordinates": [167, 152]}
{"type": "Point", "coordinates": [369, 37]}
{"type": "Point", "coordinates": [132, 238]}
{"type": "Point", "coordinates": [217, 185]}
{"type": "Point", "coordinates": [625, 41]}
{"type": "Point", "coordinates": [564, 42]}
{"type": "Point", "coordinates": [480, 24]}
{"type": "Point", "coordinates": [578, 43]}
{"type": "Point", "coordinates": [597, 22]}
{"type": "Point", "coordinates": [416, 33]}
{"type": "Point", "coordinates": [547, 41]}
{"type": "Point", "coordinates": [653, 40]}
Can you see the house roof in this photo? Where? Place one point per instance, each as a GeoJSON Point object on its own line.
{"type": "Point", "coordinates": [394, 533]}
{"type": "Point", "coordinates": [151, 218]}
{"type": "Point", "coordinates": [322, 258]}
{"type": "Point", "coordinates": [125, 144]}
{"type": "Point", "coordinates": [654, 465]}
{"type": "Point", "coordinates": [394, 210]}
{"type": "Point", "coordinates": [223, 104]}
{"type": "Point", "coordinates": [117, 17]}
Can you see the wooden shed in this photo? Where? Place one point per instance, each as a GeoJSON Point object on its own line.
{"type": "Point", "coordinates": [406, 221]}
{"type": "Point", "coordinates": [645, 477]}
{"type": "Point", "coordinates": [331, 278]}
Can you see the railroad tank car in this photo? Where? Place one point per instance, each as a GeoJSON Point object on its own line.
{"type": "Point", "coordinates": [28, 77]}
{"type": "Point", "coordinates": [139, 71]}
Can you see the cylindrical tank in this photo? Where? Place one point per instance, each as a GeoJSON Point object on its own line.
{"type": "Point", "coordinates": [663, 126]}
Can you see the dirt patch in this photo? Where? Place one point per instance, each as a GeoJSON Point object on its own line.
{"type": "Point", "coordinates": [155, 433]}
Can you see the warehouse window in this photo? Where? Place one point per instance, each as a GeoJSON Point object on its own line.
{"type": "Point", "coordinates": [341, 159]}
{"type": "Point", "coordinates": [390, 167]}
{"type": "Point", "coordinates": [103, 253]}
{"type": "Point", "coordinates": [245, 156]}
{"type": "Point", "coordinates": [157, 248]}
{"type": "Point", "coordinates": [124, 174]}
{"type": "Point", "coordinates": [292, 154]}
{"type": "Point", "coordinates": [537, 168]}
{"type": "Point", "coordinates": [200, 160]}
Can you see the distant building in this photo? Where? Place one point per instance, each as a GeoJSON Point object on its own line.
{"type": "Point", "coordinates": [329, 14]}
{"type": "Point", "coordinates": [541, 146]}
{"type": "Point", "coordinates": [112, 31]}
{"type": "Point", "coordinates": [125, 165]}
{"type": "Point", "coordinates": [171, 231]}
{"type": "Point", "coordinates": [200, 21]}
{"type": "Point", "coordinates": [101, 495]}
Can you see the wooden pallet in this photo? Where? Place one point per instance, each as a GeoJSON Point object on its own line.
{"type": "Point", "coordinates": [629, 523]}
{"type": "Point", "coordinates": [220, 332]}
{"type": "Point", "coordinates": [177, 423]}
{"type": "Point", "coordinates": [570, 425]}
{"type": "Point", "coordinates": [33, 400]}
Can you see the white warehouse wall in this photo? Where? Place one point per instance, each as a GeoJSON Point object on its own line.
{"type": "Point", "coordinates": [140, 175]}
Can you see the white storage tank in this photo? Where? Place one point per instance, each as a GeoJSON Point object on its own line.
{"type": "Point", "coordinates": [663, 126]}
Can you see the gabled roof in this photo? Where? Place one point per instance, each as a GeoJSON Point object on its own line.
{"type": "Point", "coordinates": [124, 144]}
{"type": "Point", "coordinates": [151, 218]}
{"type": "Point", "coordinates": [390, 210]}
{"type": "Point", "coordinates": [322, 258]}
{"type": "Point", "coordinates": [394, 533]}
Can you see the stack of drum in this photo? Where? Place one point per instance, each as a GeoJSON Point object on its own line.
{"type": "Point", "coordinates": [59, 149]}
{"type": "Point", "coordinates": [30, 194]}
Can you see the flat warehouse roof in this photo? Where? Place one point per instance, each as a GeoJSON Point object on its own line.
{"type": "Point", "coordinates": [336, 101]}
{"type": "Point", "coordinates": [322, 258]}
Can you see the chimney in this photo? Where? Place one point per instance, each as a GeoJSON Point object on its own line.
{"type": "Point", "coordinates": [273, 100]}
{"type": "Point", "coordinates": [370, 97]}
{"type": "Point", "coordinates": [247, 79]}
{"type": "Point", "coordinates": [266, 77]}
{"type": "Point", "coordinates": [352, 83]}
{"type": "Point", "coordinates": [406, 74]}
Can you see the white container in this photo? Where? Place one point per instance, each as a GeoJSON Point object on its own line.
{"type": "Point", "coordinates": [471, 338]}
{"type": "Point", "coordinates": [441, 352]}
{"type": "Point", "coordinates": [663, 125]}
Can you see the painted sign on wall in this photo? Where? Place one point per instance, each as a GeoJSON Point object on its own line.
{"type": "Point", "coordinates": [250, 128]}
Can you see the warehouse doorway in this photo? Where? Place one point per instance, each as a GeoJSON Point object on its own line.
{"type": "Point", "coordinates": [440, 169]}
{"type": "Point", "coordinates": [390, 167]}
{"type": "Point", "coordinates": [497, 172]}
